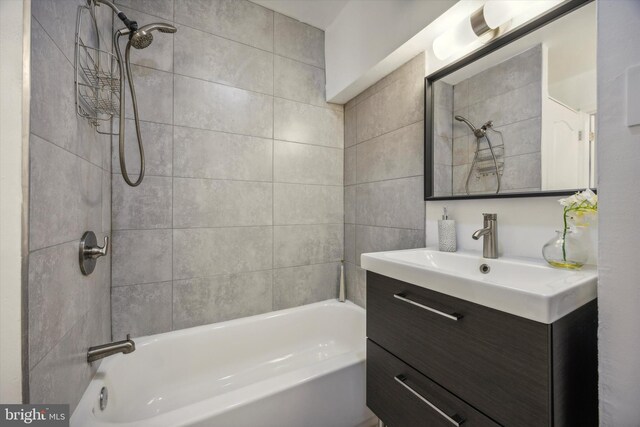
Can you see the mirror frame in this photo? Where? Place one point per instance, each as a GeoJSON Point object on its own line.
{"type": "Point", "coordinates": [557, 12]}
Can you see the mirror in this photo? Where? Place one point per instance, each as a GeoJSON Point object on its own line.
{"type": "Point", "coordinates": [517, 119]}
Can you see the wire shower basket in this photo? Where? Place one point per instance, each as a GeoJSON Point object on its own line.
{"type": "Point", "coordinates": [97, 75]}
{"type": "Point", "coordinates": [485, 165]}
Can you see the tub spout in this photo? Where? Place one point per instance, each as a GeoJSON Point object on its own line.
{"type": "Point", "coordinates": [101, 351]}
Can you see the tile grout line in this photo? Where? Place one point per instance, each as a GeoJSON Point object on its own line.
{"type": "Point", "coordinates": [243, 134]}
{"type": "Point", "coordinates": [201, 79]}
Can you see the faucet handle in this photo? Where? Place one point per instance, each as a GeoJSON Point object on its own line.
{"type": "Point", "coordinates": [490, 216]}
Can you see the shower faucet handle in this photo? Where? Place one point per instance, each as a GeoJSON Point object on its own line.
{"type": "Point", "coordinates": [90, 251]}
{"type": "Point", "coordinates": [97, 251]}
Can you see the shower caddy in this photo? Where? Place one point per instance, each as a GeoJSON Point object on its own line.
{"type": "Point", "coordinates": [97, 77]}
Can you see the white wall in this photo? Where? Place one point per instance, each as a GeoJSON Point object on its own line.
{"type": "Point", "coordinates": [366, 32]}
{"type": "Point", "coordinates": [524, 224]}
{"type": "Point", "coordinates": [619, 248]}
{"type": "Point", "coordinates": [11, 69]}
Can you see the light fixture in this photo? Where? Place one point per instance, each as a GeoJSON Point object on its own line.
{"type": "Point", "coordinates": [483, 24]}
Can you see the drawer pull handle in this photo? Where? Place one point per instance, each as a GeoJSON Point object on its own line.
{"type": "Point", "coordinates": [452, 316]}
{"type": "Point", "coordinates": [454, 419]}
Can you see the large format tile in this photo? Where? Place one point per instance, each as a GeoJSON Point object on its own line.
{"type": "Point", "coordinates": [215, 299]}
{"type": "Point", "coordinates": [212, 203]}
{"type": "Point", "coordinates": [296, 245]}
{"type": "Point", "coordinates": [208, 57]}
{"type": "Point", "coordinates": [53, 116]}
{"type": "Point", "coordinates": [395, 106]}
{"type": "Point", "coordinates": [141, 256]}
{"type": "Point", "coordinates": [148, 205]}
{"type": "Point", "coordinates": [522, 172]}
{"type": "Point", "coordinates": [309, 124]}
{"type": "Point", "coordinates": [350, 127]}
{"type": "Point", "coordinates": [65, 195]}
{"type": "Point", "coordinates": [207, 105]}
{"type": "Point", "coordinates": [350, 204]}
{"type": "Point", "coordinates": [64, 374]}
{"type": "Point", "coordinates": [394, 203]}
{"type": "Point", "coordinates": [59, 295]}
{"type": "Point", "coordinates": [296, 286]}
{"type": "Point", "coordinates": [517, 71]}
{"type": "Point", "coordinates": [442, 180]}
{"type": "Point", "coordinates": [238, 20]}
{"type": "Point", "coordinates": [218, 155]}
{"type": "Point", "coordinates": [307, 204]}
{"type": "Point", "coordinates": [141, 309]}
{"type": "Point", "coordinates": [355, 278]}
{"type": "Point", "coordinates": [203, 252]}
{"type": "Point", "coordinates": [299, 82]}
{"type": "Point", "coordinates": [350, 166]}
{"type": "Point", "coordinates": [521, 138]}
{"type": "Point", "coordinates": [377, 239]}
{"type": "Point", "coordinates": [298, 41]}
{"type": "Point", "coordinates": [157, 141]}
{"type": "Point", "coordinates": [154, 94]}
{"type": "Point", "coordinates": [397, 154]}
{"type": "Point", "coordinates": [55, 17]}
{"type": "Point", "coordinates": [307, 164]}
{"type": "Point", "coordinates": [350, 243]}
{"type": "Point", "coordinates": [413, 68]}
{"type": "Point", "coordinates": [510, 107]}
{"type": "Point", "coordinates": [160, 8]}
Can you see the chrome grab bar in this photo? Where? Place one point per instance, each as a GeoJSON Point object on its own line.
{"type": "Point", "coordinates": [453, 316]}
{"type": "Point", "coordinates": [454, 419]}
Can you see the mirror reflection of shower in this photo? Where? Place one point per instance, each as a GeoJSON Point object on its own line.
{"type": "Point", "coordinates": [480, 134]}
{"type": "Point", "coordinates": [139, 38]}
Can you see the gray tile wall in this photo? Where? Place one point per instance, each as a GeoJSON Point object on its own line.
{"type": "Point", "coordinates": [509, 94]}
{"type": "Point", "coordinates": [241, 210]}
{"type": "Point", "coordinates": [70, 192]}
{"type": "Point", "coordinates": [383, 170]}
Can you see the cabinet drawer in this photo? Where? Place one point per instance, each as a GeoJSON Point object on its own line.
{"type": "Point", "coordinates": [402, 397]}
{"type": "Point", "coordinates": [492, 360]}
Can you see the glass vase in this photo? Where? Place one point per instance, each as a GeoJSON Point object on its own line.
{"type": "Point", "coordinates": [566, 250]}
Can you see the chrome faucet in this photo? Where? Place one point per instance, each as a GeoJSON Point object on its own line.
{"type": "Point", "coordinates": [490, 234]}
{"type": "Point", "coordinates": [100, 351]}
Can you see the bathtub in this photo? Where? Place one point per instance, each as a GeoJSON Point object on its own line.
{"type": "Point", "coordinates": [300, 367]}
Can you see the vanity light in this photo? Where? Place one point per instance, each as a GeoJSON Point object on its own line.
{"type": "Point", "coordinates": [482, 24]}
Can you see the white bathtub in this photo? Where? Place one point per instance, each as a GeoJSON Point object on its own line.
{"type": "Point", "coordinates": [300, 367]}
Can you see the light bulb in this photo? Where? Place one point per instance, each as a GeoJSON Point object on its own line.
{"type": "Point", "coordinates": [499, 12]}
{"type": "Point", "coordinates": [454, 39]}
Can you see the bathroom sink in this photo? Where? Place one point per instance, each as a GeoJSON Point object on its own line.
{"type": "Point", "coordinates": [524, 287]}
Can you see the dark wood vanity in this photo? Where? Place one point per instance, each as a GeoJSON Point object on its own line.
{"type": "Point", "coordinates": [437, 360]}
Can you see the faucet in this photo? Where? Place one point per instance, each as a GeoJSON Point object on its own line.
{"type": "Point", "coordinates": [490, 234]}
{"type": "Point", "coordinates": [100, 351]}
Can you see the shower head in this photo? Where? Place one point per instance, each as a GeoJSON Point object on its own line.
{"type": "Point", "coordinates": [479, 133]}
{"type": "Point", "coordinates": [142, 37]}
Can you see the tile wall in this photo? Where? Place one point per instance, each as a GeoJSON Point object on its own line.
{"type": "Point", "coordinates": [70, 193]}
{"type": "Point", "coordinates": [241, 209]}
{"type": "Point", "coordinates": [384, 170]}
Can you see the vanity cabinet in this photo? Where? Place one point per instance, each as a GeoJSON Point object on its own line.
{"type": "Point", "coordinates": [433, 359]}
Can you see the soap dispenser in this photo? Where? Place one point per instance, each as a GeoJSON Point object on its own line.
{"type": "Point", "coordinates": [446, 233]}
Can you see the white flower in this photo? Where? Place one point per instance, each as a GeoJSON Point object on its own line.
{"type": "Point", "coordinates": [587, 196]}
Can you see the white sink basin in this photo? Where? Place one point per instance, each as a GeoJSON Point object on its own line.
{"type": "Point", "coordinates": [524, 287]}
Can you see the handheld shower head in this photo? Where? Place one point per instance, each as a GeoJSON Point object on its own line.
{"type": "Point", "coordinates": [479, 133]}
{"type": "Point", "coordinates": [142, 37]}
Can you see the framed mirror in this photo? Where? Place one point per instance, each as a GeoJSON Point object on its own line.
{"type": "Point", "coordinates": [516, 118]}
